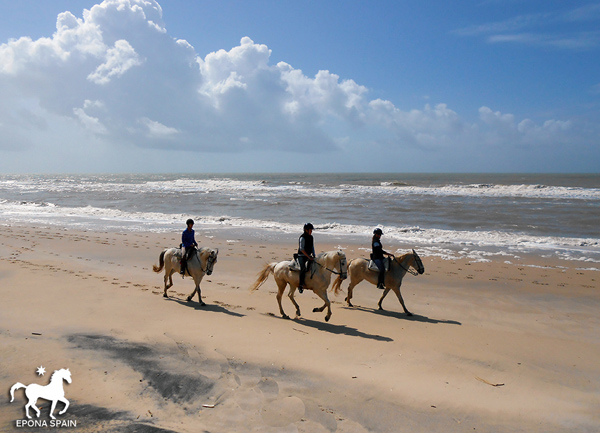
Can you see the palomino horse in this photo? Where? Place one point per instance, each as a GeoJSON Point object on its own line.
{"type": "Point", "coordinates": [399, 266]}
{"type": "Point", "coordinates": [324, 265]}
{"type": "Point", "coordinates": [53, 391]}
{"type": "Point", "coordinates": [201, 262]}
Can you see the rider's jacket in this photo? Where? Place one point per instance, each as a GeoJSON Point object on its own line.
{"type": "Point", "coordinates": [306, 243]}
{"type": "Point", "coordinates": [187, 238]}
{"type": "Point", "coordinates": [377, 249]}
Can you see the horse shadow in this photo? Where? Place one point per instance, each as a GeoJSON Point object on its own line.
{"type": "Point", "coordinates": [207, 307]}
{"type": "Point", "coordinates": [339, 329]}
{"type": "Point", "coordinates": [402, 315]}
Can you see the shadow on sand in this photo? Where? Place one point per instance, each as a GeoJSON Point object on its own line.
{"type": "Point", "coordinates": [207, 307]}
{"type": "Point", "coordinates": [402, 315]}
{"type": "Point", "coordinates": [338, 329]}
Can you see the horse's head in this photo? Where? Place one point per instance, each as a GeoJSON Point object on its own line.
{"type": "Point", "coordinates": [63, 373]}
{"type": "Point", "coordinates": [418, 264]}
{"type": "Point", "coordinates": [211, 260]}
{"type": "Point", "coordinates": [343, 265]}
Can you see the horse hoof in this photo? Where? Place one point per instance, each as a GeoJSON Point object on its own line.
{"type": "Point", "coordinates": [165, 295]}
{"type": "Point", "coordinates": [202, 304]}
{"type": "Point", "coordinates": [350, 304]}
{"type": "Point", "coordinates": [381, 309]}
{"type": "Point", "coordinates": [189, 299]}
{"type": "Point", "coordinates": [327, 318]}
{"type": "Point", "coordinates": [315, 310]}
{"type": "Point", "coordinates": [408, 313]}
{"type": "Point", "coordinates": [285, 316]}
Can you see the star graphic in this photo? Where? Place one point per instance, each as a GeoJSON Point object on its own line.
{"type": "Point", "coordinates": [41, 370]}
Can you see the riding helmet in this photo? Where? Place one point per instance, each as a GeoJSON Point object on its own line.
{"type": "Point", "coordinates": [377, 231]}
{"type": "Point", "coordinates": [308, 226]}
{"type": "Point", "coordinates": [190, 221]}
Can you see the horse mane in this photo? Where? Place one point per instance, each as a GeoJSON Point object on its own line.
{"type": "Point", "coordinates": [56, 373]}
{"type": "Point", "coordinates": [403, 256]}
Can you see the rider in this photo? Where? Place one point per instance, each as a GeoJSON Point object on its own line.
{"type": "Point", "coordinates": [377, 256]}
{"type": "Point", "coordinates": [306, 252]}
{"type": "Point", "coordinates": [187, 242]}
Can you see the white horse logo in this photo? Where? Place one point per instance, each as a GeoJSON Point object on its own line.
{"type": "Point", "coordinates": [53, 392]}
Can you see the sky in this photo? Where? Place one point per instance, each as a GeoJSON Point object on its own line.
{"type": "Point", "coordinates": [299, 86]}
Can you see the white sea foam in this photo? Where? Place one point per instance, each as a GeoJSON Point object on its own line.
{"type": "Point", "coordinates": [439, 242]}
{"type": "Point", "coordinates": [234, 186]}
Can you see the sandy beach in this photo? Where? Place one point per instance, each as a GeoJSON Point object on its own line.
{"type": "Point", "coordinates": [492, 346]}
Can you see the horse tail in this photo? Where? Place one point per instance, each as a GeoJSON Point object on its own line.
{"type": "Point", "coordinates": [16, 386]}
{"type": "Point", "coordinates": [337, 285]}
{"type": "Point", "coordinates": [161, 262]}
{"type": "Point", "coordinates": [262, 276]}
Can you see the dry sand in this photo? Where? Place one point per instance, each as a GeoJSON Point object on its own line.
{"type": "Point", "coordinates": [492, 347]}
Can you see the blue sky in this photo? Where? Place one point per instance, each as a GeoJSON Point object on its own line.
{"type": "Point", "coordinates": [468, 86]}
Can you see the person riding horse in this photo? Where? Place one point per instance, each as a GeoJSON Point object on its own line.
{"type": "Point", "coordinates": [306, 252]}
{"type": "Point", "coordinates": [377, 256]}
{"type": "Point", "coordinates": [188, 242]}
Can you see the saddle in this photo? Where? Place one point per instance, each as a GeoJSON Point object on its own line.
{"type": "Point", "coordinates": [295, 266]}
{"type": "Point", "coordinates": [386, 265]}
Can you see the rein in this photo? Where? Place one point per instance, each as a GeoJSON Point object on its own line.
{"type": "Point", "coordinates": [208, 261]}
{"type": "Point", "coordinates": [409, 270]}
{"type": "Point", "coordinates": [333, 271]}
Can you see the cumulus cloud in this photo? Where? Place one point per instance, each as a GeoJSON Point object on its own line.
{"type": "Point", "coordinates": [116, 74]}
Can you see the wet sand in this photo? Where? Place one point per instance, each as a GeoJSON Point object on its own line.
{"type": "Point", "coordinates": [492, 347]}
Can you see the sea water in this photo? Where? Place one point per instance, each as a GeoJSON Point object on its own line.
{"type": "Point", "coordinates": [473, 215]}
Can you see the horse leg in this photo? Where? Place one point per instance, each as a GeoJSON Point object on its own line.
{"type": "Point", "coordinates": [291, 296]}
{"type": "Point", "coordinates": [32, 404]}
{"type": "Point", "coordinates": [281, 288]}
{"type": "Point", "coordinates": [52, 407]}
{"type": "Point", "coordinates": [27, 406]}
{"type": "Point", "coordinates": [399, 295]}
{"type": "Point", "coordinates": [66, 402]}
{"type": "Point", "coordinates": [323, 295]}
{"type": "Point", "coordinates": [202, 303]}
{"type": "Point", "coordinates": [385, 292]}
{"type": "Point", "coordinates": [169, 278]}
{"type": "Point", "coordinates": [191, 296]}
{"type": "Point", "coordinates": [350, 288]}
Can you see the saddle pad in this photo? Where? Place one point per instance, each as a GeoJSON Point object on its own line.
{"type": "Point", "coordinates": [295, 266]}
{"type": "Point", "coordinates": [373, 266]}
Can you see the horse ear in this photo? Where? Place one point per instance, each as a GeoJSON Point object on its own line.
{"type": "Point", "coordinates": [414, 252]}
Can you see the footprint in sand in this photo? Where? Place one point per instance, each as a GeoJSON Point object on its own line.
{"type": "Point", "coordinates": [283, 411]}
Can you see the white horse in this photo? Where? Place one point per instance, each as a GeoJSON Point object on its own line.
{"type": "Point", "coordinates": [324, 265]}
{"type": "Point", "coordinates": [200, 263]}
{"type": "Point", "coordinates": [53, 391]}
{"type": "Point", "coordinates": [399, 266]}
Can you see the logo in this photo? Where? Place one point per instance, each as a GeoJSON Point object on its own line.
{"type": "Point", "coordinates": [53, 392]}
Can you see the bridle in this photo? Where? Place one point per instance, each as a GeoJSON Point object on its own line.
{"type": "Point", "coordinates": [343, 263]}
{"type": "Point", "coordinates": [210, 261]}
{"type": "Point", "coordinates": [417, 259]}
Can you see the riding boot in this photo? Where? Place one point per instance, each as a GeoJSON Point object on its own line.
{"type": "Point", "coordinates": [380, 280]}
{"type": "Point", "coordinates": [302, 278]}
{"type": "Point", "coordinates": [183, 267]}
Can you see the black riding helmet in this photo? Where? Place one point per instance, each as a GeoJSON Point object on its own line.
{"type": "Point", "coordinates": [308, 226]}
{"type": "Point", "coordinates": [377, 231]}
{"type": "Point", "coordinates": [190, 221]}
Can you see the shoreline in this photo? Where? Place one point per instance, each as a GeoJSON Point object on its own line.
{"type": "Point", "coordinates": [530, 329]}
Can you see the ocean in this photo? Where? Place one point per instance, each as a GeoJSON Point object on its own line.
{"type": "Point", "coordinates": [449, 215]}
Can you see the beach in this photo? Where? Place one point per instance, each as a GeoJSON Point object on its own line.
{"type": "Point", "coordinates": [502, 345]}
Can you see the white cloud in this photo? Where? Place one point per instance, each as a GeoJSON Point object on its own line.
{"type": "Point", "coordinates": [119, 60]}
{"type": "Point", "coordinates": [117, 75]}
